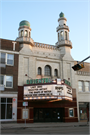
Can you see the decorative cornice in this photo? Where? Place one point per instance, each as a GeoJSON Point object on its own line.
{"type": "Point", "coordinates": [62, 27]}
{"type": "Point", "coordinates": [62, 18]}
{"type": "Point", "coordinates": [83, 73]}
{"type": "Point", "coordinates": [21, 27]}
{"type": "Point", "coordinates": [46, 46]}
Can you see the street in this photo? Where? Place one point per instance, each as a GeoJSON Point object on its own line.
{"type": "Point", "coordinates": [48, 130]}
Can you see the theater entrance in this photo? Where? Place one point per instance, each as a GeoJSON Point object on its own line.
{"type": "Point", "coordinates": [48, 114]}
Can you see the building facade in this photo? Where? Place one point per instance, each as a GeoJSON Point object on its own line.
{"type": "Point", "coordinates": [45, 75]}
{"type": "Point", "coordinates": [9, 53]}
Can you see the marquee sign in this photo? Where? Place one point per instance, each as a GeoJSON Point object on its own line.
{"type": "Point", "coordinates": [52, 91]}
{"type": "Point", "coordinates": [36, 81]}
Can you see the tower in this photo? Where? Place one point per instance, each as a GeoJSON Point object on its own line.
{"type": "Point", "coordinates": [24, 33]}
{"type": "Point", "coordinates": [64, 44]}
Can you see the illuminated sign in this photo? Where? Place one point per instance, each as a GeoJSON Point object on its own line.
{"type": "Point", "coordinates": [67, 82]}
{"type": "Point", "coordinates": [36, 81]}
{"type": "Point", "coordinates": [44, 91]}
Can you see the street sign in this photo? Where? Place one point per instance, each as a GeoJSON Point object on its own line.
{"type": "Point", "coordinates": [25, 103]}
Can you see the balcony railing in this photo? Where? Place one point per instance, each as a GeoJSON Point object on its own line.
{"type": "Point", "coordinates": [64, 42]}
{"type": "Point", "coordinates": [25, 39]}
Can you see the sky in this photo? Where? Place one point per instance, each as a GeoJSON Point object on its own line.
{"type": "Point", "coordinates": [43, 17]}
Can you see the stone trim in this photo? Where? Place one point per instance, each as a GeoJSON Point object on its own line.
{"type": "Point", "coordinates": [5, 51]}
{"type": "Point", "coordinates": [41, 45]}
{"type": "Point", "coordinates": [62, 18]}
{"type": "Point", "coordinates": [83, 73]}
{"type": "Point", "coordinates": [24, 27]}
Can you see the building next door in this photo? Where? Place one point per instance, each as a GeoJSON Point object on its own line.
{"type": "Point", "coordinates": [48, 114]}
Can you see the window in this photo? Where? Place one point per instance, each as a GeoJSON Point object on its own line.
{"type": "Point", "coordinates": [7, 59]}
{"type": "Point", "coordinates": [3, 57]}
{"type": "Point", "coordinates": [10, 59]}
{"type": "Point", "coordinates": [65, 35]}
{"type": "Point", "coordinates": [86, 86]}
{"type": "Point", "coordinates": [26, 33]}
{"type": "Point", "coordinates": [39, 71]}
{"type": "Point", "coordinates": [61, 34]}
{"type": "Point", "coordinates": [29, 34]}
{"type": "Point", "coordinates": [58, 36]}
{"type": "Point", "coordinates": [55, 72]}
{"type": "Point", "coordinates": [9, 81]}
{"type": "Point", "coordinates": [80, 85]}
{"type": "Point", "coordinates": [6, 105]}
{"type": "Point", "coordinates": [47, 70]}
{"type": "Point", "coordinates": [21, 33]}
{"type": "Point", "coordinates": [1, 80]}
{"type": "Point", "coordinates": [6, 80]}
{"type": "Point", "coordinates": [71, 112]}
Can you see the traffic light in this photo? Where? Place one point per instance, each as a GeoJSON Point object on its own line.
{"type": "Point", "coordinates": [78, 66]}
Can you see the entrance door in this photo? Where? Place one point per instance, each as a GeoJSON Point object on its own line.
{"type": "Point", "coordinates": [48, 114]}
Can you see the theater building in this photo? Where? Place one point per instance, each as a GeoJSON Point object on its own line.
{"type": "Point", "coordinates": [47, 88]}
{"type": "Point", "coordinates": [38, 61]}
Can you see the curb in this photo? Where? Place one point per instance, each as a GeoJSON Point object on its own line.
{"type": "Point", "coordinates": [24, 127]}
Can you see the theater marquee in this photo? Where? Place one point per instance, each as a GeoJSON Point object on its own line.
{"type": "Point", "coordinates": [52, 91]}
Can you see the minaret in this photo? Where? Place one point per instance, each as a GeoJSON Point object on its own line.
{"type": "Point", "coordinates": [64, 44]}
{"type": "Point", "coordinates": [24, 33]}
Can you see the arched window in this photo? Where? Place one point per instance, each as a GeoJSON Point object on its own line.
{"type": "Point", "coordinates": [55, 72]}
{"type": "Point", "coordinates": [29, 34]}
{"type": "Point", "coordinates": [26, 33]}
{"type": "Point", "coordinates": [65, 35]}
{"type": "Point", "coordinates": [39, 71]}
{"type": "Point", "coordinates": [58, 37]}
{"type": "Point", "coordinates": [61, 34]}
{"type": "Point", "coordinates": [21, 33]}
{"type": "Point", "coordinates": [47, 70]}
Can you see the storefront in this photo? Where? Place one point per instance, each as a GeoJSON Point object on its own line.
{"type": "Point", "coordinates": [8, 104]}
{"type": "Point", "coordinates": [84, 111]}
{"type": "Point", "coordinates": [46, 101]}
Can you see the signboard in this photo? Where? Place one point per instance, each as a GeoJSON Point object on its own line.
{"type": "Point", "coordinates": [35, 91]}
{"type": "Point", "coordinates": [25, 114]}
{"type": "Point", "coordinates": [36, 81]}
{"type": "Point", "coordinates": [25, 103]}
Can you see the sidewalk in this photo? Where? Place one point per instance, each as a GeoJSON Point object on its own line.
{"type": "Point", "coordinates": [42, 125]}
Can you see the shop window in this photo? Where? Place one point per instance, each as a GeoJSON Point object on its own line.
{"type": "Point", "coordinates": [86, 86]}
{"type": "Point", "coordinates": [80, 85]}
{"type": "Point", "coordinates": [26, 33]}
{"type": "Point", "coordinates": [83, 113]}
{"type": "Point", "coordinates": [71, 112]}
{"type": "Point", "coordinates": [7, 81]}
{"type": "Point", "coordinates": [47, 70]}
{"type": "Point", "coordinates": [21, 33]}
{"type": "Point", "coordinates": [7, 58]}
{"type": "Point", "coordinates": [55, 72]}
{"type": "Point", "coordinates": [65, 35]}
{"type": "Point", "coordinates": [39, 71]}
{"type": "Point", "coordinates": [6, 111]}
